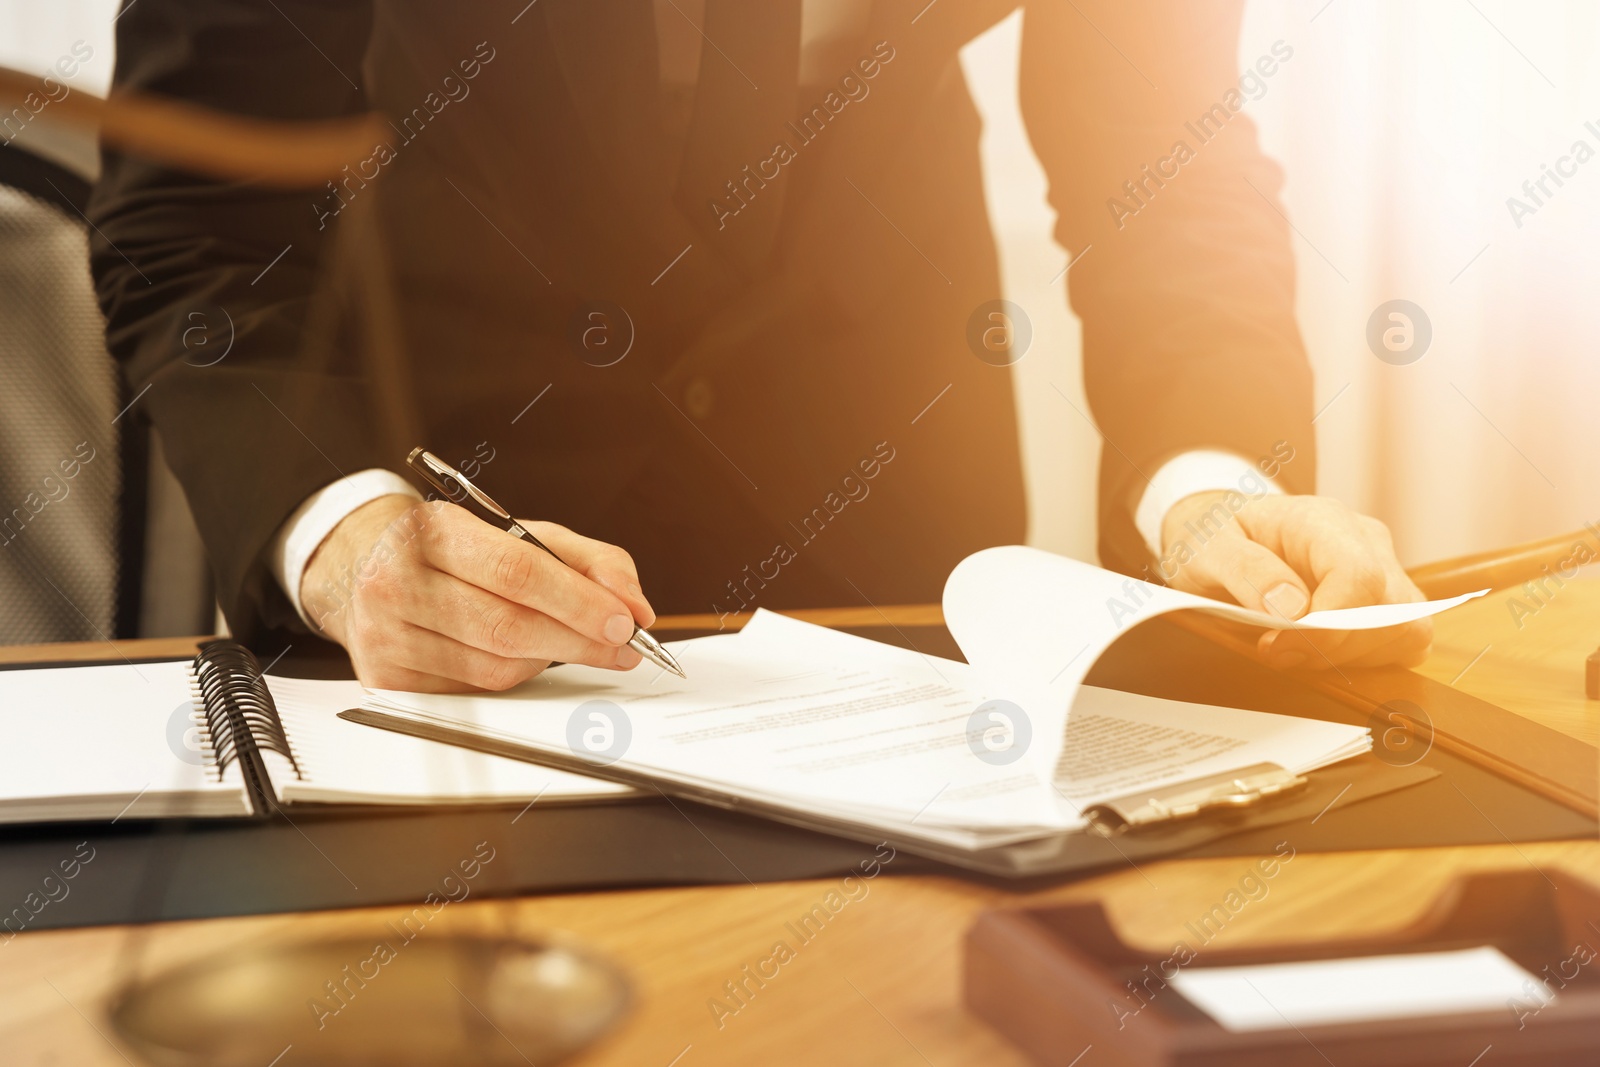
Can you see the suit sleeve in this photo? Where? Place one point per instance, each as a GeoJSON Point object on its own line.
{"type": "Point", "coordinates": [1185, 285]}
{"type": "Point", "coordinates": [188, 268]}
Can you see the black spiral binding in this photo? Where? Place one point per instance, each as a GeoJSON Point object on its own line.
{"type": "Point", "coordinates": [241, 718]}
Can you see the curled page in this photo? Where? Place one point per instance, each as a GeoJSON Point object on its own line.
{"type": "Point", "coordinates": [1032, 624]}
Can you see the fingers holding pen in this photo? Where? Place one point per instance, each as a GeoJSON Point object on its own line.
{"type": "Point", "coordinates": [479, 619]}
{"type": "Point", "coordinates": [514, 570]}
{"type": "Point", "coordinates": [601, 562]}
{"type": "Point", "coordinates": [426, 597]}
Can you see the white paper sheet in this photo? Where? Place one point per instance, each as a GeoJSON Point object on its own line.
{"type": "Point", "coordinates": [1316, 993]}
{"type": "Point", "coordinates": [783, 710]}
{"type": "Point", "coordinates": [1033, 623]}
{"type": "Point", "coordinates": [342, 761]}
{"type": "Point", "coordinates": [840, 726]}
{"type": "Point", "coordinates": [124, 741]}
{"type": "Point", "coordinates": [1118, 743]}
{"type": "Point", "coordinates": [103, 742]}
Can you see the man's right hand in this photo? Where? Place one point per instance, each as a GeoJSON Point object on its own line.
{"type": "Point", "coordinates": [427, 598]}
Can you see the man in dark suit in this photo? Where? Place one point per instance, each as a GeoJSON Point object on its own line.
{"type": "Point", "coordinates": [711, 280]}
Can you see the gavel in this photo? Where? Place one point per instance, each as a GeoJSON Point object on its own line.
{"type": "Point", "coordinates": [1503, 568]}
{"type": "Point", "coordinates": [1560, 556]}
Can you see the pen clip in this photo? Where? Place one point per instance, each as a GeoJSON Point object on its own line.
{"type": "Point", "coordinates": [444, 477]}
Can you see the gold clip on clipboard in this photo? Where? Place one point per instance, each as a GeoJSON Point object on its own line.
{"type": "Point", "coordinates": [1241, 788]}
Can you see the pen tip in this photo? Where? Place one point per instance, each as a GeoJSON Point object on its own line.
{"type": "Point", "coordinates": [651, 649]}
{"type": "Point", "coordinates": [670, 661]}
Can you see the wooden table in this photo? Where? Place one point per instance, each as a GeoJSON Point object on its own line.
{"type": "Point", "coordinates": [880, 983]}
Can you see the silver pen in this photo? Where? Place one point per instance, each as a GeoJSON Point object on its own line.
{"type": "Point", "coordinates": [458, 489]}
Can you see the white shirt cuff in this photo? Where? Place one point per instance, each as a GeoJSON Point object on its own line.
{"type": "Point", "coordinates": [303, 532]}
{"type": "Point", "coordinates": [1184, 475]}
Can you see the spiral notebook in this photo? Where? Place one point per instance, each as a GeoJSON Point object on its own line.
{"type": "Point", "coordinates": [215, 737]}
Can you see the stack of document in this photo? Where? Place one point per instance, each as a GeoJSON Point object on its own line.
{"type": "Point", "coordinates": [1007, 747]}
{"type": "Point", "coordinates": [817, 721]}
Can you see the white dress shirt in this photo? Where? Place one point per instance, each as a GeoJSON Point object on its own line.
{"type": "Point", "coordinates": [1188, 473]}
{"type": "Point", "coordinates": [303, 532]}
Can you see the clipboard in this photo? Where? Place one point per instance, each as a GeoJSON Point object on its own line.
{"type": "Point", "coordinates": [1046, 976]}
{"type": "Point", "coordinates": [1147, 824]}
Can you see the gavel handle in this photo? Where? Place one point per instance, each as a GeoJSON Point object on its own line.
{"type": "Point", "coordinates": [1506, 567]}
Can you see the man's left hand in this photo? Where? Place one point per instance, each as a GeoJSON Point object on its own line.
{"type": "Point", "coordinates": [1289, 555]}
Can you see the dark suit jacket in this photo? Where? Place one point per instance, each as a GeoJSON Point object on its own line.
{"type": "Point", "coordinates": [778, 353]}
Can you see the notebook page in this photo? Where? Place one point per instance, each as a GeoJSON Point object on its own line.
{"type": "Point", "coordinates": [345, 762]}
{"type": "Point", "coordinates": [103, 742]}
